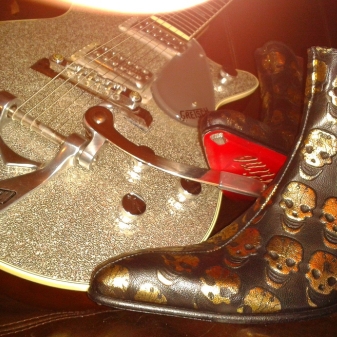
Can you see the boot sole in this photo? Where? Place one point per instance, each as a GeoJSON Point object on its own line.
{"type": "Point", "coordinates": [221, 318]}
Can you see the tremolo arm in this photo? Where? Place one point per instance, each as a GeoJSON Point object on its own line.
{"type": "Point", "coordinates": [99, 120]}
{"type": "Point", "coordinates": [77, 150]}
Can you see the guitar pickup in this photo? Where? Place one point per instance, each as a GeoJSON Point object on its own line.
{"type": "Point", "coordinates": [89, 79]}
{"type": "Point", "coordinates": [113, 65]}
{"type": "Point", "coordinates": [157, 34]}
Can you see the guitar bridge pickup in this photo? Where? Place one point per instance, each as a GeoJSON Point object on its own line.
{"type": "Point", "coordinates": [89, 79]}
{"type": "Point", "coordinates": [113, 65]}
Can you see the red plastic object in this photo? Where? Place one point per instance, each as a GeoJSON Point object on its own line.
{"type": "Point", "coordinates": [228, 152]}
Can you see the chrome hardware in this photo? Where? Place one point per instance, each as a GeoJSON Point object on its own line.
{"type": "Point", "coordinates": [88, 79]}
{"type": "Point", "coordinates": [57, 58]}
{"type": "Point", "coordinates": [21, 186]}
{"type": "Point", "coordinates": [138, 166]}
{"type": "Point", "coordinates": [114, 66]}
{"type": "Point", "coordinates": [8, 104]}
{"type": "Point", "coordinates": [223, 180]}
{"type": "Point", "coordinates": [89, 155]}
{"type": "Point", "coordinates": [225, 77]}
{"type": "Point", "coordinates": [75, 149]}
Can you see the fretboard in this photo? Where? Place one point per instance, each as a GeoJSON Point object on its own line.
{"type": "Point", "coordinates": [188, 23]}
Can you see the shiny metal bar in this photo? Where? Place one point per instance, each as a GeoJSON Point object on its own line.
{"type": "Point", "coordinates": [99, 119]}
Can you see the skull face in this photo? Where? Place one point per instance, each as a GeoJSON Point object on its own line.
{"type": "Point", "coordinates": [220, 285]}
{"type": "Point", "coordinates": [181, 263]}
{"type": "Point", "coordinates": [244, 246]}
{"type": "Point", "coordinates": [283, 255]}
{"type": "Point", "coordinates": [298, 201]}
{"type": "Point", "coordinates": [318, 150]}
{"type": "Point", "coordinates": [259, 300]}
{"type": "Point", "coordinates": [329, 220]}
{"type": "Point", "coordinates": [333, 92]}
{"type": "Point", "coordinates": [274, 62]}
{"type": "Point", "coordinates": [151, 294]}
{"type": "Point", "coordinates": [322, 275]}
{"type": "Point", "coordinates": [114, 281]}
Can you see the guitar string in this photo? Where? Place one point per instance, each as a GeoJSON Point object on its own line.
{"type": "Point", "coordinates": [48, 95]}
{"type": "Point", "coordinates": [55, 78]}
{"type": "Point", "coordinates": [88, 74]}
{"type": "Point", "coordinates": [103, 74]}
{"type": "Point", "coordinates": [60, 98]}
{"type": "Point", "coordinates": [82, 92]}
{"type": "Point", "coordinates": [61, 73]}
{"type": "Point", "coordinates": [207, 10]}
{"type": "Point", "coordinates": [178, 22]}
{"type": "Point", "coordinates": [74, 63]}
{"type": "Point", "coordinates": [222, 5]}
{"type": "Point", "coordinates": [134, 60]}
{"type": "Point", "coordinates": [91, 52]}
{"type": "Point", "coordinates": [24, 103]}
{"type": "Point", "coordinates": [115, 46]}
{"type": "Point", "coordinates": [78, 82]}
{"type": "Point", "coordinates": [72, 88]}
{"type": "Point", "coordinates": [188, 14]}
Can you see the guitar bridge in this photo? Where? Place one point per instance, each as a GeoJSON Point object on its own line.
{"type": "Point", "coordinates": [99, 82]}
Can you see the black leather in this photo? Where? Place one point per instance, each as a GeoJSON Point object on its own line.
{"type": "Point", "coordinates": [280, 74]}
{"type": "Point", "coordinates": [277, 262]}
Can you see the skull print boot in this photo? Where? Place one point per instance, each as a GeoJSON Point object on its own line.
{"type": "Point", "coordinates": [275, 263]}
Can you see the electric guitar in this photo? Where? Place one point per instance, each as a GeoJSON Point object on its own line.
{"type": "Point", "coordinates": [99, 145]}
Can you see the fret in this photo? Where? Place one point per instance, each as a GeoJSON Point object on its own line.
{"type": "Point", "coordinates": [188, 23]}
{"type": "Point", "coordinates": [170, 27]}
{"type": "Point", "coordinates": [184, 23]}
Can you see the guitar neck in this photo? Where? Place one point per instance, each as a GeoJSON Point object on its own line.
{"type": "Point", "coordinates": [190, 22]}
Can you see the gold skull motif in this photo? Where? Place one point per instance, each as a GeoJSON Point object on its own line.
{"type": "Point", "coordinates": [322, 274]}
{"type": "Point", "coordinates": [283, 255]}
{"type": "Point", "coordinates": [318, 150]}
{"type": "Point", "coordinates": [244, 246]}
{"type": "Point", "coordinates": [274, 62]}
{"type": "Point", "coordinates": [220, 285]}
{"type": "Point", "coordinates": [151, 294]}
{"type": "Point", "coordinates": [181, 263]}
{"type": "Point", "coordinates": [114, 281]}
{"type": "Point", "coordinates": [298, 202]}
{"type": "Point", "coordinates": [259, 300]}
{"type": "Point", "coordinates": [319, 71]}
{"type": "Point", "coordinates": [329, 220]}
{"type": "Point", "coordinates": [333, 92]}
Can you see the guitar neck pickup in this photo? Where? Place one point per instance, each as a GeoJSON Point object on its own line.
{"type": "Point", "coordinates": [156, 33]}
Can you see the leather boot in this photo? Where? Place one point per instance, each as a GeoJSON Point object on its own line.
{"type": "Point", "coordinates": [277, 262]}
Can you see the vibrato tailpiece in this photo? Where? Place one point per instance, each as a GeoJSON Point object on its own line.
{"type": "Point", "coordinates": [77, 150]}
